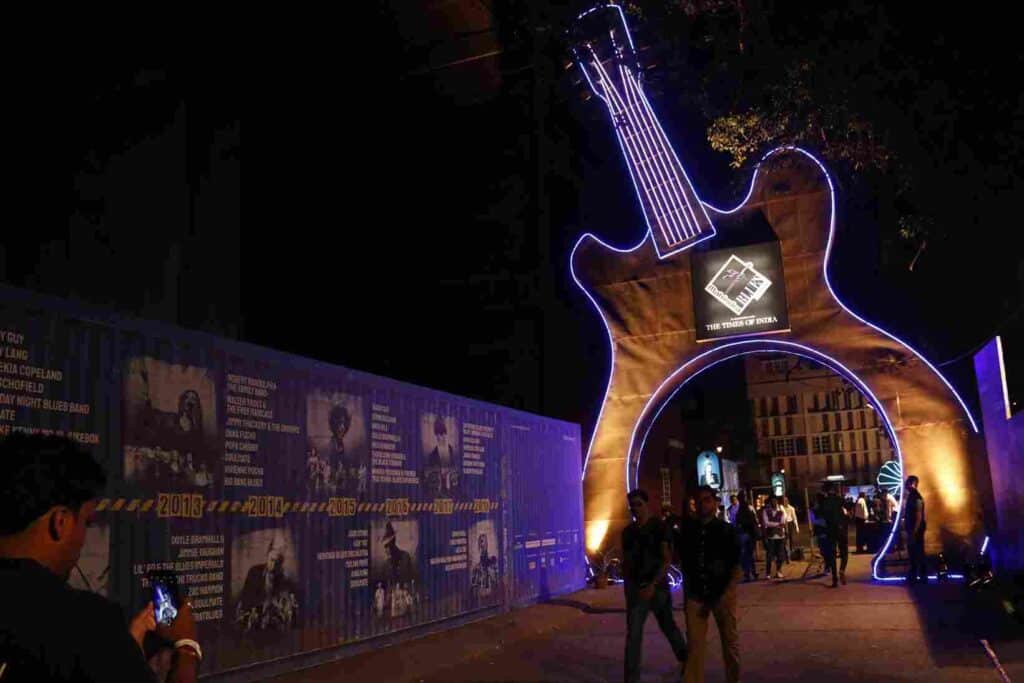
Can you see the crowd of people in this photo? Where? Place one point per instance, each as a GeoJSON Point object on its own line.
{"type": "Point", "coordinates": [715, 547]}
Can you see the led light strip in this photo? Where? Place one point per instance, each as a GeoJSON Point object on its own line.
{"type": "Point", "coordinates": [641, 177]}
{"type": "Point", "coordinates": [1002, 377]}
{"type": "Point", "coordinates": [607, 329]}
{"type": "Point", "coordinates": [686, 209]}
{"type": "Point", "coordinates": [679, 165]}
{"type": "Point", "coordinates": [767, 346]}
{"type": "Point", "coordinates": [684, 202]}
{"type": "Point", "coordinates": [658, 157]}
{"type": "Point", "coordinates": [642, 131]}
{"type": "Point", "coordinates": [853, 377]}
{"type": "Point", "coordinates": [657, 195]}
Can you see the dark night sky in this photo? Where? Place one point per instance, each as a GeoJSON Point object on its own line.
{"type": "Point", "coordinates": [410, 221]}
{"type": "Point", "coordinates": [441, 157]}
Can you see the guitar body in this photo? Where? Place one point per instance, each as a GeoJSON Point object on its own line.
{"type": "Point", "coordinates": [646, 303]}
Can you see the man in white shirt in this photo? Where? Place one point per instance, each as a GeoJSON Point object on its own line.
{"type": "Point", "coordinates": [860, 518]}
{"type": "Point", "coordinates": [890, 507]}
{"type": "Point", "coordinates": [792, 525]}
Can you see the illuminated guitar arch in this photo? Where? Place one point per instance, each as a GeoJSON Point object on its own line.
{"type": "Point", "coordinates": [645, 295]}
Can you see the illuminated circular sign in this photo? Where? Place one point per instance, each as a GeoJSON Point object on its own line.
{"type": "Point", "coordinates": [890, 477]}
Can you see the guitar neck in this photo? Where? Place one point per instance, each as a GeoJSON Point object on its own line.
{"type": "Point", "coordinates": [675, 215]}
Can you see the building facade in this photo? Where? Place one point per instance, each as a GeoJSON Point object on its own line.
{"type": "Point", "coordinates": [811, 423]}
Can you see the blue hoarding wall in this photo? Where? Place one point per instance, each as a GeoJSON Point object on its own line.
{"type": "Point", "coordinates": [304, 505]}
{"type": "Point", "coordinates": [545, 494]}
{"type": "Point", "coordinates": [1004, 443]}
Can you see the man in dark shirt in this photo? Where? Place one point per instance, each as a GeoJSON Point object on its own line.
{"type": "Point", "coordinates": [646, 555]}
{"type": "Point", "coordinates": [710, 550]}
{"type": "Point", "coordinates": [49, 631]}
{"type": "Point", "coordinates": [914, 524]}
{"type": "Point", "coordinates": [837, 524]}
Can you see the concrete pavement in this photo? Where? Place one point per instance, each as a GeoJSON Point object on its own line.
{"type": "Point", "coordinates": [791, 630]}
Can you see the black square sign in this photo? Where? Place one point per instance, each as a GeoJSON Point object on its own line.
{"type": "Point", "coordinates": [739, 291]}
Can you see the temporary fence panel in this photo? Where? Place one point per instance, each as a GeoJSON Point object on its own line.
{"type": "Point", "coordinates": [303, 505]}
{"type": "Point", "coordinates": [547, 545]}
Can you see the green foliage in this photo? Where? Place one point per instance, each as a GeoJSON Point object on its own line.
{"type": "Point", "coordinates": [791, 113]}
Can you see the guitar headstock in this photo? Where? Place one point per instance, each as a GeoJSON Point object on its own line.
{"type": "Point", "coordinates": [606, 54]}
{"type": "Point", "coordinates": [603, 48]}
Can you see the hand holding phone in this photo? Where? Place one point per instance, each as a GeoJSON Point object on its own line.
{"type": "Point", "coordinates": [166, 601]}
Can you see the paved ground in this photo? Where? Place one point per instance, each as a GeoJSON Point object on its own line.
{"type": "Point", "coordinates": [792, 630]}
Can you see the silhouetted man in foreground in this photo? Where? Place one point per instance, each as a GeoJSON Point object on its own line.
{"type": "Point", "coordinates": [646, 555]}
{"type": "Point", "coordinates": [914, 523]}
{"type": "Point", "coordinates": [48, 630]}
{"type": "Point", "coordinates": [710, 549]}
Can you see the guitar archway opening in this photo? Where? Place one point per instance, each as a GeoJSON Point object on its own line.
{"type": "Point", "coordinates": [687, 372]}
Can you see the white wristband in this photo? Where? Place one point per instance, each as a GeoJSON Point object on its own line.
{"type": "Point", "coordinates": [188, 642]}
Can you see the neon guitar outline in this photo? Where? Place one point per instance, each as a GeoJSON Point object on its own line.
{"type": "Point", "coordinates": [643, 296]}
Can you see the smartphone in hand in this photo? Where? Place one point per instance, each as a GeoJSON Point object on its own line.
{"type": "Point", "coordinates": [166, 599]}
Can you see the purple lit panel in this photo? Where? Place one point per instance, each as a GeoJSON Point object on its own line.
{"type": "Point", "coordinates": [1004, 443]}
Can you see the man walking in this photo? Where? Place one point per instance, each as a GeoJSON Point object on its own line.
{"type": "Point", "coordinates": [915, 526]}
{"type": "Point", "coordinates": [710, 550]}
{"type": "Point", "coordinates": [647, 553]}
{"type": "Point", "coordinates": [774, 521]}
{"type": "Point", "coordinates": [748, 530]}
{"type": "Point", "coordinates": [792, 526]}
{"type": "Point", "coordinates": [860, 518]}
{"type": "Point", "coordinates": [837, 532]}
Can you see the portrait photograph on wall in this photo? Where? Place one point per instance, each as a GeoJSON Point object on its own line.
{"type": "Point", "coordinates": [439, 436]}
{"type": "Point", "coordinates": [337, 453]}
{"type": "Point", "coordinates": [170, 424]}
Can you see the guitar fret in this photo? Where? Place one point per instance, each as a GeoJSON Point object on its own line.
{"type": "Point", "coordinates": [665, 196]}
{"type": "Point", "coordinates": [684, 213]}
{"type": "Point", "coordinates": [672, 210]}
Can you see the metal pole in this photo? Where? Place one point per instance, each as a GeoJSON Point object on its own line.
{"type": "Point", "coordinates": [810, 527]}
